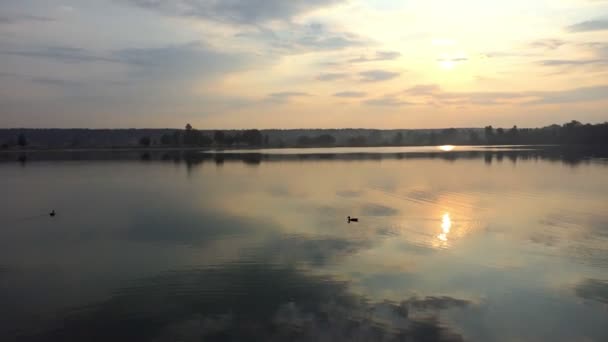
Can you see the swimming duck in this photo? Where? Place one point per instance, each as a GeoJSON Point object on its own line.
{"type": "Point", "coordinates": [52, 213]}
{"type": "Point", "coordinates": [352, 219]}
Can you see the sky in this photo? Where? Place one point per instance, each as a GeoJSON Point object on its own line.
{"type": "Point", "coordinates": [221, 64]}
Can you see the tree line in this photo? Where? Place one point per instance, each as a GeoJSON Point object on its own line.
{"type": "Point", "coordinates": [191, 137]}
{"type": "Point", "coordinates": [571, 133]}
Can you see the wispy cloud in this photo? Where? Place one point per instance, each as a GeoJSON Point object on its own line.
{"type": "Point", "coordinates": [423, 89]}
{"type": "Point", "coordinates": [453, 59]}
{"type": "Point", "coordinates": [332, 76]}
{"type": "Point", "coordinates": [234, 11]}
{"type": "Point", "coordinates": [380, 56]}
{"type": "Point", "coordinates": [434, 95]}
{"type": "Point", "coordinates": [378, 75]}
{"type": "Point", "coordinates": [387, 101]}
{"type": "Point", "coordinates": [58, 82]}
{"type": "Point", "coordinates": [182, 62]}
{"type": "Point", "coordinates": [573, 62]}
{"type": "Point", "coordinates": [584, 94]}
{"type": "Point", "coordinates": [285, 96]}
{"type": "Point", "coordinates": [350, 94]}
{"type": "Point", "coordinates": [548, 44]}
{"type": "Point", "coordinates": [21, 18]}
{"type": "Point", "coordinates": [296, 38]}
{"type": "Point", "coordinates": [590, 25]}
{"type": "Point", "coordinates": [60, 53]}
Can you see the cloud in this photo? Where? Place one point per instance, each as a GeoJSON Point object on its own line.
{"type": "Point", "coordinates": [548, 44]}
{"type": "Point", "coordinates": [380, 56]}
{"type": "Point", "coordinates": [350, 94]}
{"type": "Point", "coordinates": [193, 60]}
{"type": "Point", "coordinates": [286, 96]}
{"type": "Point", "coordinates": [585, 94]}
{"type": "Point", "coordinates": [348, 193]}
{"type": "Point", "coordinates": [429, 94]}
{"type": "Point", "coordinates": [21, 18]}
{"type": "Point", "coordinates": [60, 53]}
{"type": "Point", "coordinates": [235, 11]}
{"type": "Point", "coordinates": [423, 89]}
{"type": "Point", "coordinates": [296, 38]}
{"type": "Point", "coordinates": [590, 25]}
{"type": "Point", "coordinates": [572, 62]}
{"type": "Point", "coordinates": [181, 61]}
{"type": "Point", "coordinates": [452, 59]}
{"type": "Point", "coordinates": [332, 76]}
{"type": "Point", "coordinates": [58, 82]}
{"type": "Point", "coordinates": [387, 102]}
{"type": "Point", "coordinates": [508, 54]}
{"type": "Point", "coordinates": [331, 41]}
{"type": "Point", "coordinates": [377, 75]}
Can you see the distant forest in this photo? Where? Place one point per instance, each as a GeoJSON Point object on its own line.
{"type": "Point", "coordinates": [572, 133]}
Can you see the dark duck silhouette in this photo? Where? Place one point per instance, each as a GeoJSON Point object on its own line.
{"type": "Point", "coordinates": [52, 213]}
{"type": "Point", "coordinates": [352, 219]}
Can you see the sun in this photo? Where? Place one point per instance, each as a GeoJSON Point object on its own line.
{"type": "Point", "coordinates": [448, 61]}
{"type": "Point", "coordinates": [447, 64]}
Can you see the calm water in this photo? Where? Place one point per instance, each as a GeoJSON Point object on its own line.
{"type": "Point", "coordinates": [479, 245]}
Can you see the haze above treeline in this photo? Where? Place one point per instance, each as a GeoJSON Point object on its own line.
{"type": "Point", "coordinates": [573, 132]}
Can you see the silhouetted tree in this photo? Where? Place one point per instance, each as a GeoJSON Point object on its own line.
{"type": "Point", "coordinates": [203, 139]}
{"type": "Point", "coordinates": [219, 137]}
{"type": "Point", "coordinates": [322, 140]}
{"type": "Point", "coordinates": [513, 135]}
{"type": "Point", "coordinates": [303, 140]}
{"type": "Point", "coordinates": [359, 140]}
{"type": "Point", "coordinates": [489, 133]}
{"type": "Point", "coordinates": [191, 136]}
{"type": "Point", "coordinates": [166, 139]}
{"type": "Point", "coordinates": [266, 139]}
{"type": "Point", "coordinates": [228, 140]}
{"type": "Point", "coordinates": [144, 141]}
{"type": "Point", "coordinates": [433, 138]}
{"type": "Point", "coordinates": [326, 140]}
{"type": "Point", "coordinates": [177, 138]}
{"type": "Point", "coordinates": [398, 139]}
{"type": "Point", "coordinates": [21, 140]}
{"type": "Point", "coordinates": [448, 136]}
{"type": "Point", "coordinates": [252, 137]}
{"type": "Point", "coordinates": [474, 138]}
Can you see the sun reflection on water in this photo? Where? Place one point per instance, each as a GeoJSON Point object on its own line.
{"type": "Point", "coordinates": [446, 226]}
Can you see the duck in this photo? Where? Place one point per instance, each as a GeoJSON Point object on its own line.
{"type": "Point", "coordinates": [52, 213]}
{"type": "Point", "coordinates": [352, 219]}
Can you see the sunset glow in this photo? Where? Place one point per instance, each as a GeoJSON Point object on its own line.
{"type": "Point", "coordinates": [299, 64]}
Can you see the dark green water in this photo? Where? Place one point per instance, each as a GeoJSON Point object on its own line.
{"type": "Point", "coordinates": [495, 245]}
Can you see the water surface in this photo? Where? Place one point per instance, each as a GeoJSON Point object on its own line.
{"type": "Point", "coordinates": [507, 244]}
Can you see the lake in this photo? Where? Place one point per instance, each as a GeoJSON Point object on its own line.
{"type": "Point", "coordinates": [452, 244]}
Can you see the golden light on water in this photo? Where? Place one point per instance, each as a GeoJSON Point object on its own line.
{"type": "Point", "coordinates": [447, 148]}
{"type": "Point", "coordinates": [446, 226]}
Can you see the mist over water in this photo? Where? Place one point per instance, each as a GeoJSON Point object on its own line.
{"type": "Point", "coordinates": [452, 244]}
